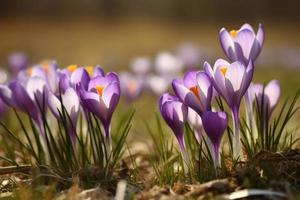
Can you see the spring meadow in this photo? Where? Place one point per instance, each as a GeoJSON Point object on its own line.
{"type": "Point", "coordinates": [149, 100]}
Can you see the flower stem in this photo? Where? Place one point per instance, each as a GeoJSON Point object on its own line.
{"type": "Point", "coordinates": [217, 159]}
{"type": "Point", "coordinates": [107, 139]}
{"type": "Point", "coordinates": [236, 133]}
{"type": "Point", "coordinates": [250, 119]}
{"type": "Point", "coordinates": [184, 153]}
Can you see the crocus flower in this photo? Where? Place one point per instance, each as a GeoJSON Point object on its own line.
{"type": "Point", "coordinates": [81, 76]}
{"type": "Point", "coordinates": [140, 65]}
{"type": "Point", "coordinates": [73, 75]}
{"type": "Point", "coordinates": [231, 81]}
{"type": "Point", "coordinates": [190, 55]}
{"type": "Point", "coordinates": [46, 70]}
{"type": "Point", "coordinates": [27, 98]}
{"type": "Point", "coordinates": [242, 45]}
{"type": "Point", "coordinates": [157, 84]}
{"type": "Point", "coordinates": [131, 86]}
{"type": "Point", "coordinates": [215, 124]}
{"type": "Point", "coordinates": [195, 90]}
{"type": "Point", "coordinates": [71, 104]}
{"type": "Point", "coordinates": [101, 98]}
{"type": "Point", "coordinates": [269, 94]}
{"type": "Point", "coordinates": [175, 114]}
{"type": "Point", "coordinates": [18, 62]}
{"type": "Point", "coordinates": [167, 64]}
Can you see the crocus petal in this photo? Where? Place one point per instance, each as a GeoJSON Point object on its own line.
{"type": "Point", "coordinates": [243, 44]}
{"type": "Point", "coordinates": [272, 91]}
{"type": "Point", "coordinates": [260, 36]}
{"type": "Point", "coordinates": [64, 81]}
{"type": "Point", "coordinates": [54, 104]}
{"type": "Point", "coordinates": [247, 26]}
{"type": "Point", "coordinates": [102, 80]}
{"type": "Point", "coordinates": [186, 95]}
{"type": "Point", "coordinates": [205, 90]}
{"type": "Point", "coordinates": [6, 95]}
{"type": "Point", "coordinates": [71, 103]}
{"type": "Point", "coordinates": [247, 78]}
{"type": "Point", "coordinates": [111, 95]}
{"type": "Point", "coordinates": [80, 75]}
{"type": "Point", "coordinates": [227, 44]}
{"type": "Point", "coordinates": [215, 124]}
{"type": "Point", "coordinates": [98, 71]}
{"type": "Point", "coordinates": [35, 85]}
{"type": "Point", "coordinates": [235, 75]}
{"type": "Point", "coordinates": [23, 100]}
{"type": "Point", "coordinates": [175, 114]}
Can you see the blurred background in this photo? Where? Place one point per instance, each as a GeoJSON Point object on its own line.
{"type": "Point", "coordinates": [113, 32]}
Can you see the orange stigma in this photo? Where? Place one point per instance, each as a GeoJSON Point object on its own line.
{"type": "Point", "coordinates": [233, 33]}
{"type": "Point", "coordinates": [29, 71]}
{"type": "Point", "coordinates": [223, 70]}
{"type": "Point", "coordinates": [195, 90]}
{"type": "Point", "coordinates": [72, 68]}
{"type": "Point", "coordinates": [100, 89]}
{"type": "Point", "coordinates": [132, 87]}
{"type": "Point", "coordinates": [46, 66]}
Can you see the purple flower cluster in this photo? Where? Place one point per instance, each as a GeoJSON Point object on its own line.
{"type": "Point", "coordinates": [230, 80]}
{"type": "Point", "coordinates": [75, 89]}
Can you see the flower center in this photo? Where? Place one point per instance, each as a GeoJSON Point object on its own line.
{"type": "Point", "coordinates": [72, 68]}
{"type": "Point", "coordinates": [29, 71]}
{"type": "Point", "coordinates": [223, 70]}
{"type": "Point", "coordinates": [46, 66]}
{"type": "Point", "coordinates": [89, 69]}
{"type": "Point", "coordinates": [132, 86]}
{"type": "Point", "coordinates": [100, 89]}
{"type": "Point", "coordinates": [195, 91]}
{"type": "Point", "coordinates": [233, 33]}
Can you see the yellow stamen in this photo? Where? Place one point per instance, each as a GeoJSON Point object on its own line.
{"type": "Point", "coordinates": [46, 66]}
{"type": "Point", "coordinates": [72, 68]}
{"type": "Point", "coordinates": [233, 33]}
{"type": "Point", "coordinates": [29, 71]}
{"type": "Point", "coordinates": [223, 70]}
{"type": "Point", "coordinates": [195, 90]}
{"type": "Point", "coordinates": [132, 86]}
{"type": "Point", "coordinates": [89, 69]}
{"type": "Point", "coordinates": [100, 89]}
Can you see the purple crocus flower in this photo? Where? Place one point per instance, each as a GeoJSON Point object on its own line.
{"type": "Point", "coordinates": [215, 124]}
{"type": "Point", "coordinates": [131, 85]}
{"type": "Point", "coordinates": [195, 90]}
{"type": "Point", "coordinates": [167, 64]}
{"type": "Point", "coordinates": [73, 75]}
{"type": "Point", "coordinates": [26, 98]}
{"type": "Point", "coordinates": [71, 103]}
{"type": "Point", "coordinates": [231, 81]}
{"type": "Point", "coordinates": [271, 94]}
{"type": "Point", "coordinates": [140, 65]}
{"type": "Point", "coordinates": [157, 84]}
{"type": "Point", "coordinates": [190, 55]}
{"type": "Point", "coordinates": [242, 45]}
{"type": "Point", "coordinates": [101, 98]}
{"type": "Point", "coordinates": [18, 62]}
{"type": "Point", "coordinates": [175, 114]}
{"type": "Point", "coordinates": [46, 70]}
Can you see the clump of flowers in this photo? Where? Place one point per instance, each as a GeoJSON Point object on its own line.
{"type": "Point", "coordinates": [229, 82]}
{"type": "Point", "coordinates": [76, 133]}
